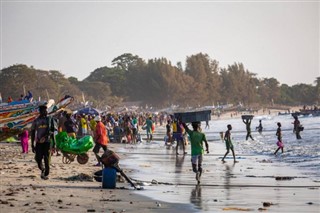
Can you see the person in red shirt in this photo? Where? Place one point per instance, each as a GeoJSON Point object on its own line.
{"type": "Point", "coordinates": [100, 138]}
{"type": "Point", "coordinates": [9, 99]}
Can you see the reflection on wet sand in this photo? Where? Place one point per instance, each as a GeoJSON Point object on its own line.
{"type": "Point", "coordinates": [228, 175]}
{"type": "Point", "coordinates": [179, 168]}
{"type": "Point", "coordinates": [195, 197]}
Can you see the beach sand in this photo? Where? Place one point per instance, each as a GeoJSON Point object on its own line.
{"type": "Point", "coordinates": [254, 184]}
{"type": "Point", "coordinates": [70, 187]}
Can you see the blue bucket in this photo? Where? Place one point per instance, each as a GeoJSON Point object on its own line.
{"type": "Point", "coordinates": [109, 178]}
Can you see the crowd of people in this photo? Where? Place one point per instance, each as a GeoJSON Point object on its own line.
{"type": "Point", "coordinates": [121, 127]}
{"type": "Point", "coordinates": [126, 128]}
{"type": "Point", "coordinates": [28, 97]}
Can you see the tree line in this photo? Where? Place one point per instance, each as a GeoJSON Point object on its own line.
{"type": "Point", "coordinates": [158, 83]}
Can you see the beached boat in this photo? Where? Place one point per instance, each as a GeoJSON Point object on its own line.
{"type": "Point", "coordinates": [13, 125]}
{"type": "Point", "coordinates": [307, 112]}
{"type": "Point", "coordinates": [17, 108]}
{"type": "Point", "coordinates": [284, 113]}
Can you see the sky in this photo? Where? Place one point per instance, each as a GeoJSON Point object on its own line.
{"type": "Point", "coordinates": [273, 39]}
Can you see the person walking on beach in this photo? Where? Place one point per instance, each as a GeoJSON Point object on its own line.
{"type": "Point", "coordinates": [197, 138]}
{"type": "Point", "coordinates": [247, 122]}
{"type": "Point", "coordinates": [42, 130]}
{"type": "Point", "coordinates": [297, 127]}
{"type": "Point", "coordinates": [149, 124]}
{"type": "Point", "coordinates": [169, 137]}
{"type": "Point", "coordinates": [229, 145]}
{"type": "Point", "coordinates": [279, 137]}
{"type": "Point", "coordinates": [100, 138]}
{"type": "Point", "coordinates": [178, 135]}
{"type": "Point", "coordinates": [61, 127]}
{"type": "Point", "coordinates": [259, 128]}
{"type": "Point", "coordinates": [84, 125]}
{"type": "Point", "coordinates": [207, 124]}
{"type": "Point", "coordinates": [24, 138]}
{"type": "Point", "coordinates": [135, 128]}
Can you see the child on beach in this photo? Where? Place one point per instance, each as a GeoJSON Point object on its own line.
{"type": "Point", "coordinates": [259, 128]}
{"type": "Point", "coordinates": [197, 138]}
{"type": "Point", "coordinates": [229, 145]}
{"type": "Point", "coordinates": [24, 138]}
{"type": "Point", "coordinates": [279, 137]}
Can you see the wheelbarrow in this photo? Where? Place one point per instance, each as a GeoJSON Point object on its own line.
{"type": "Point", "coordinates": [72, 148]}
{"type": "Point", "coordinates": [67, 158]}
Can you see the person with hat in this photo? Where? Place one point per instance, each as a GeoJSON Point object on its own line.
{"type": "Point", "coordinates": [100, 138]}
{"type": "Point", "coordinates": [42, 130]}
{"type": "Point", "coordinates": [197, 138]}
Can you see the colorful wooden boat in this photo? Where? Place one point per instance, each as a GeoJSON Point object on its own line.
{"type": "Point", "coordinates": [13, 125]}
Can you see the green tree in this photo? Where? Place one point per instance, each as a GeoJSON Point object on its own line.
{"type": "Point", "coordinates": [204, 71]}
{"type": "Point", "coordinates": [115, 77]}
{"type": "Point", "coordinates": [269, 91]}
{"type": "Point", "coordinates": [304, 94]}
{"type": "Point", "coordinates": [286, 96]}
{"type": "Point", "coordinates": [125, 61]}
{"type": "Point", "coordinates": [238, 85]}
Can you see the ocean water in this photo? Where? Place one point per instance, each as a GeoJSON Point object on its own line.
{"type": "Point", "coordinates": [168, 177]}
{"type": "Point", "coordinates": [303, 154]}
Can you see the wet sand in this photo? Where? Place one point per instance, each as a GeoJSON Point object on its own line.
{"type": "Point", "coordinates": [255, 183]}
{"type": "Point", "coordinates": [169, 185]}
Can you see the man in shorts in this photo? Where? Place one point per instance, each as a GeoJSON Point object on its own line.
{"type": "Point", "coordinates": [197, 138]}
{"type": "Point", "coordinates": [229, 145]}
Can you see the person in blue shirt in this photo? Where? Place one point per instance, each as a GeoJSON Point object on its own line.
{"type": "Point", "coordinates": [28, 96]}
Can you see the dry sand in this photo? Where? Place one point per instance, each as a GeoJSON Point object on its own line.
{"type": "Point", "coordinates": [70, 187]}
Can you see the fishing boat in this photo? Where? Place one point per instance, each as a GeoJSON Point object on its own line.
{"type": "Point", "coordinates": [307, 112]}
{"type": "Point", "coordinates": [13, 124]}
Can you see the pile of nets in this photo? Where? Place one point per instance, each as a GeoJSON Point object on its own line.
{"type": "Point", "coordinates": [72, 145]}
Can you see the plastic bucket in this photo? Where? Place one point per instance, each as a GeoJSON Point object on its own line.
{"type": "Point", "coordinates": [109, 178]}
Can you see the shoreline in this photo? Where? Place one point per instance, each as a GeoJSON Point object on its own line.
{"type": "Point", "coordinates": [168, 182]}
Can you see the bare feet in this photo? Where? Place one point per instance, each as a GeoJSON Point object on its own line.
{"type": "Point", "coordinates": [198, 177]}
